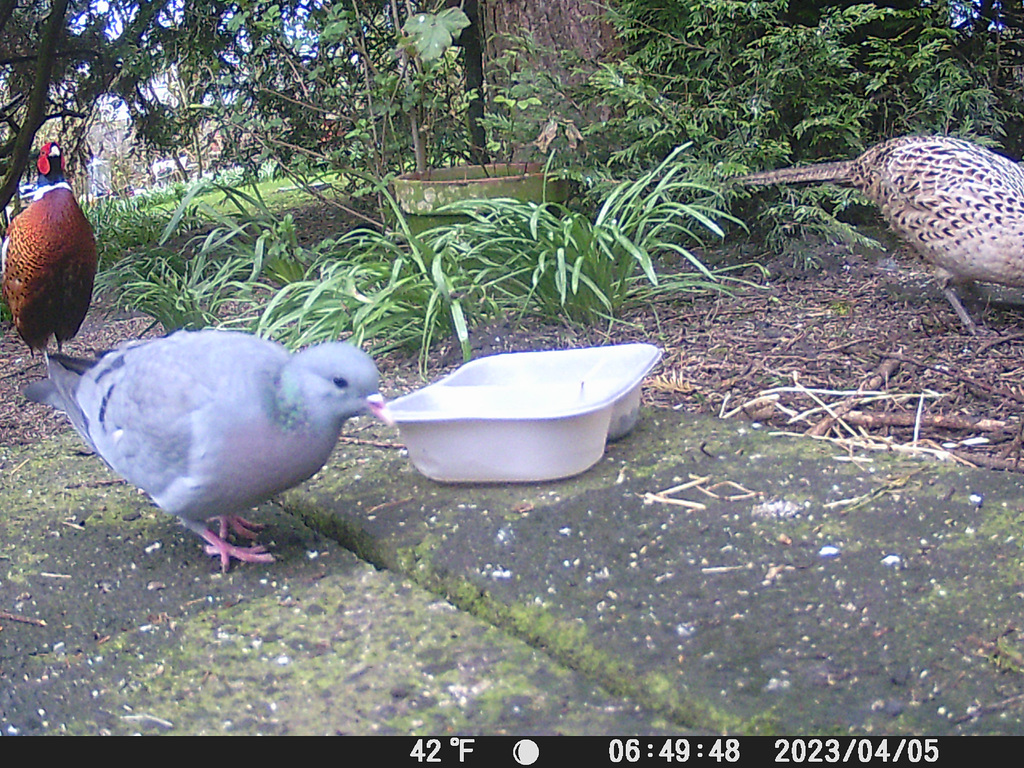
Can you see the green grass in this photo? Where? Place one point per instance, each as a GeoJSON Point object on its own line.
{"type": "Point", "coordinates": [277, 194]}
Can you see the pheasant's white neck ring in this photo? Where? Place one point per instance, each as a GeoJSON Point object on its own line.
{"type": "Point", "coordinates": [49, 188]}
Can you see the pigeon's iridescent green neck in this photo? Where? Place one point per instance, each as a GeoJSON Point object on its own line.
{"type": "Point", "coordinates": [288, 405]}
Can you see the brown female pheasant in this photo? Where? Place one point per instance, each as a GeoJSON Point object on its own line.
{"type": "Point", "coordinates": [960, 205]}
{"type": "Point", "coordinates": [49, 259]}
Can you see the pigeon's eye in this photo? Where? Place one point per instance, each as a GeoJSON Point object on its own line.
{"type": "Point", "coordinates": [341, 382]}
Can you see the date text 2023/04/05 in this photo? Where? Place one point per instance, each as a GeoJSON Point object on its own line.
{"type": "Point", "coordinates": [630, 751]}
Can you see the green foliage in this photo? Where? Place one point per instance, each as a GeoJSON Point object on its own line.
{"type": "Point", "coordinates": [181, 291]}
{"type": "Point", "coordinates": [529, 113]}
{"type": "Point", "coordinates": [429, 35]}
{"type": "Point", "coordinates": [319, 85]}
{"type": "Point", "coordinates": [342, 86]}
{"type": "Point", "coordinates": [229, 177]}
{"type": "Point", "coordinates": [407, 293]}
{"type": "Point", "coordinates": [408, 290]}
{"type": "Point", "coordinates": [768, 84]}
{"type": "Point", "coordinates": [510, 257]}
{"type": "Point", "coordinates": [269, 169]}
{"type": "Point", "coordinates": [191, 286]}
{"type": "Point", "coordinates": [165, 195]}
{"type": "Point", "coordinates": [355, 86]}
{"type": "Point", "coordinates": [123, 224]}
{"type": "Point", "coordinates": [566, 264]}
{"type": "Point", "coordinates": [749, 85]}
{"type": "Point", "coordinates": [795, 217]}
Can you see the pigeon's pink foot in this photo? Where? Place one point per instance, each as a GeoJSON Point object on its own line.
{"type": "Point", "coordinates": [238, 524]}
{"type": "Point", "coordinates": [217, 546]}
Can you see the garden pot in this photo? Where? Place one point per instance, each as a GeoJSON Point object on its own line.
{"type": "Point", "coordinates": [420, 194]}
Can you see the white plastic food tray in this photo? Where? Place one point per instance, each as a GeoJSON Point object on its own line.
{"type": "Point", "coordinates": [524, 416]}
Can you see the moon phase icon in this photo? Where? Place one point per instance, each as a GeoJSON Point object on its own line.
{"type": "Point", "coordinates": [526, 752]}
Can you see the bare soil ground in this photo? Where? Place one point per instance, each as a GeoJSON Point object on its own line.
{"type": "Point", "coordinates": [865, 351]}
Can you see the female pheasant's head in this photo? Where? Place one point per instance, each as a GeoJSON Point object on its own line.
{"type": "Point", "coordinates": [51, 162]}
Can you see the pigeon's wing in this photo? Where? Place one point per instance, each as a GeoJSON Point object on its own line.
{"type": "Point", "coordinates": [60, 388]}
{"type": "Point", "coordinates": [158, 410]}
{"type": "Point", "coordinates": [139, 406]}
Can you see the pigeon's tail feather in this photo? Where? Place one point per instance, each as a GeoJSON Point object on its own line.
{"type": "Point", "coordinates": [77, 365]}
{"type": "Point", "coordinates": [43, 392]}
{"type": "Point", "coordinates": [58, 391]}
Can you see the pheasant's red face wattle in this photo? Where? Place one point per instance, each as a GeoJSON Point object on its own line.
{"type": "Point", "coordinates": [50, 149]}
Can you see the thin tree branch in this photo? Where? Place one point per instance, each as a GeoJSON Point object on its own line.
{"type": "Point", "coordinates": [6, 9]}
{"type": "Point", "coordinates": [52, 33]}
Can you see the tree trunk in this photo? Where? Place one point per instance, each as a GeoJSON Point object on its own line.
{"type": "Point", "coordinates": [554, 25]}
{"type": "Point", "coordinates": [472, 43]}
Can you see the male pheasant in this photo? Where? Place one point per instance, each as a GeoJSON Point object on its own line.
{"type": "Point", "coordinates": [959, 205]}
{"type": "Point", "coordinates": [49, 259]}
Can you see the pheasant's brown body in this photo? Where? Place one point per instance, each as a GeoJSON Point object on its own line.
{"type": "Point", "coordinates": [48, 267]}
{"type": "Point", "coordinates": [960, 205]}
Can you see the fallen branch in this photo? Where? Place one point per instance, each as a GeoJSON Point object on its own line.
{"type": "Point", "coordinates": [940, 421]}
{"type": "Point", "coordinates": [990, 462]}
{"type": "Point", "coordinates": [885, 370]}
{"type": "Point", "coordinates": [22, 619]}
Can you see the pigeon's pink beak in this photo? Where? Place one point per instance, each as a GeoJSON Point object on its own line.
{"type": "Point", "coordinates": [379, 408]}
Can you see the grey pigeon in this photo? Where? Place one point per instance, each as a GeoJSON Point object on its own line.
{"type": "Point", "coordinates": [211, 423]}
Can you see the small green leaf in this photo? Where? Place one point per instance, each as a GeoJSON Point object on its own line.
{"type": "Point", "coordinates": [430, 35]}
{"type": "Point", "coordinates": [335, 31]}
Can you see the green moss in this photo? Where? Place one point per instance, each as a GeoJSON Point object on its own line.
{"type": "Point", "coordinates": [568, 642]}
{"type": "Point", "coordinates": [1007, 655]}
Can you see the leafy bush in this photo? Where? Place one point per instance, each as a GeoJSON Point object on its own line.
{"type": "Point", "coordinates": [229, 177]}
{"type": "Point", "coordinates": [568, 265]}
{"type": "Point", "coordinates": [752, 85]}
{"type": "Point", "coordinates": [164, 195]}
{"type": "Point", "coordinates": [269, 169]}
{"type": "Point", "coordinates": [510, 257]}
{"type": "Point", "coordinates": [529, 112]}
{"type": "Point", "coordinates": [179, 291]}
{"type": "Point", "coordinates": [123, 224]}
{"type": "Point", "coordinates": [400, 294]}
{"type": "Point", "coordinates": [224, 266]}
{"type": "Point", "coordinates": [769, 84]}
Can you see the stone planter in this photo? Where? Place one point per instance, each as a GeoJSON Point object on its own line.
{"type": "Point", "coordinates": [420, 194]}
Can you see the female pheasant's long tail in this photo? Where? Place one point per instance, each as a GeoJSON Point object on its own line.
{"type": "Point", "coordinates": [837, 173]}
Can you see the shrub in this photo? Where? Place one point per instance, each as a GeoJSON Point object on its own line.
{"type": "Point", "coordinates": [510, 257]}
